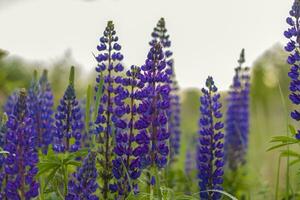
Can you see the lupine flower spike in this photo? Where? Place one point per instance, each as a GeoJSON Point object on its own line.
{"type": "Point", "coordinates": [153, 110]}
{"type": "Point", "coordinates": [46, 106]}
{"type": "Point", "coordinates": [126, 165]}
{"type": "Point", "coordinates": [83, 184]}
{"type": "Point", "coordinates": [210, 156]}
{"type": "Point", "coordinates": [68, 122]}
{"type": "Point", "coordinates": [40, 103]}
{"type": "Point", "coordinates": [20, 164]}
{"type": "Point", "coordinates": [110, 111]}
{"type": "Point", "coordinates": [292, 47]}
{"type": "Point", "coordinates": [159, 34]}
{"type": "Point", "coordinates": [237, 118]}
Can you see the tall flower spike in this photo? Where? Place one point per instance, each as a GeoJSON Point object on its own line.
{"type": "Point", "coordinates": [21, 162]}
{"type": "Point", "coordinates": [126, 165]}
{"type": "Point", "coordinates": [210, 154]}
{"type": "Point", "coordinates": [292, 47]}
{"type": "Point", "coordinates": [46, 105]}
{"type": "Point", "coordinates": [237, 118]}
{"type": "Point", "coordinates": [109, 119]}
{"type": "Point", "coordinates": [83, 184]}
{"type": "Point", "coordinates": [40, 103]}
{"type": "Point", "coordinates": [153, 110]}
{"type": "Point", "coordinates": [68, 122]}
{"type": "Point", "coordinates": [159, 34]}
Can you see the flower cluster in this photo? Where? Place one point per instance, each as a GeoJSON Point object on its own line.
{"type": "Point", "coordinates": [126, 165]}
{"type": "Point", "coordinates": [20, 164]}
{"type": "Point", "coordinates": [237, 118]}
{"type": "Point", "coordinates": [83, 184]}
{"type": "Point", "coordinates": [292, 47]}
{"type": "Point", "coordinates": [111, 106]}
{"type": "Point", "coordinates": [210, 156]}
{"type": "Point", "coordinates": [68, 122]}
{"type": "Point", "coordinates": [153, 110]}
{"type": "Point", "coordinates": [159, 34]}
{"type": "Point", "coordinates": [40, 103]}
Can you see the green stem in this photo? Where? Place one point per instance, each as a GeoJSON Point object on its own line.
{"type": "Point", "coordinates": [157, 184]}
{"type": "Point", "coordinates": [277, 178]}
{"type": "Point", "coordinates": [65, 172]}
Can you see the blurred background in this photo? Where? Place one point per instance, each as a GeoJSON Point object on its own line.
{"type": "Point", "coordinates": [206, 38]}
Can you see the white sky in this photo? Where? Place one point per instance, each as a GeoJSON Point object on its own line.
{"type": "Point", "coordinates": [207, 35]}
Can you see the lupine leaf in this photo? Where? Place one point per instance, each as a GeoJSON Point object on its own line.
{"type": "Point", "coordinates": [284, 139]}
{"type": "Point", "coordinates": [278, 146]}
{"type": "Point", "coordinates": [290, 153]}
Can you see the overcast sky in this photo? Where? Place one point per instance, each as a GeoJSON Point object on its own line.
{"type": "Point", "coordinates": [207, 35]}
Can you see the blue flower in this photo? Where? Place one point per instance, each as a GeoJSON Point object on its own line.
{"type": "Point", "coordinates": [126, 165]}
{"type": "Point", "coordinates": [68, 122]}
{"type": "Point", "coordinates": [293, 36]}
{"type": "Point", "coordinates": [237, 118]}
{"type": "Point", "coordinates": [155, 97]}
{"type": "Point", "coordinates": [210, 156]}
{"type": "Point", "coordinates": [83, 184]}
{"type": "Point", "coordinates": [40, 103]}
{"type": "Point", "coordinates": [21, 162]}
{"type": "Point", "coordinates": [159, 34]}
{"type": "Point", "coordinates": [111, 107]}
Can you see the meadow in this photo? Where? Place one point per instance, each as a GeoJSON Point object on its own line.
{"type": "Point", "coordinates": [130, 132]}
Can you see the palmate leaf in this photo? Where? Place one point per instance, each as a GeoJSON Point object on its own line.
{"type": "Point", "coordinates": [54, 167]}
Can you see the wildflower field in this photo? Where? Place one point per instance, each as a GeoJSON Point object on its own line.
{"type": "Point", "coordinates": [127, 131]}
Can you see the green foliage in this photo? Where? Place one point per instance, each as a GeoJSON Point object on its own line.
{"type": "Point", "coordinates": [54, 171]}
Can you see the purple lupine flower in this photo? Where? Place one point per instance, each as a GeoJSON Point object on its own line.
{"type": "Point", "coordinates": [159, 34]}
{"type": "Point", "coordinates": [39, 104]}
{"type": "Point", "coordinates": [47, 120]}
{"type": "Point", "coordinates": [292, 47]}
{"type": "Point", "coordinates": [237, 118]}
{"type": "Point", "coordinates": [21, 162]}
{"type": "Point", "coordinates": [153, 120]}
{"type": "Point", "coordinates": [83, 183]}
{"type": "Point", "coordinates": [110, 111]}
{"type": "Point", "coordinates": [10, 103]}
{"type": "Point", "coordinates": [245, 105]}
{"type": "Point", "coordinates": [126, 165]}
{"type": "Point", "coordinates": [210, 156]}
{"type": "Point", "coordinates": [68, 122]}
